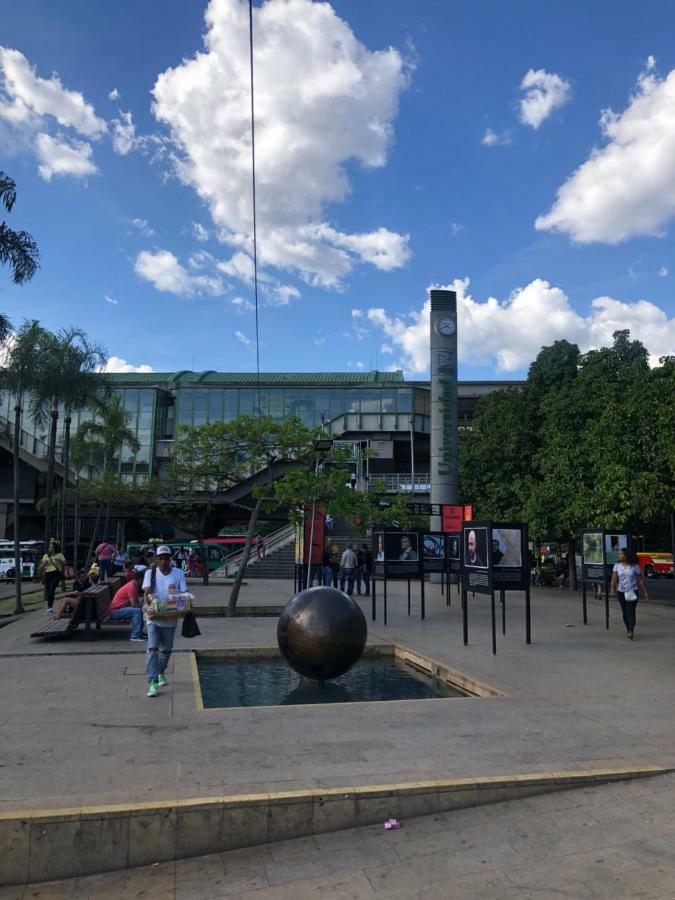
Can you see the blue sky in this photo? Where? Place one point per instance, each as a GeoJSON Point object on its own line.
{"type": "Point", "coordinates": [459, 144]}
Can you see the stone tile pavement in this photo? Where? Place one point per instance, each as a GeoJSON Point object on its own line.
{"type": "Point", "coordinates": [612, 841]}
{"type": "Point", "coordinates": [77, 728]}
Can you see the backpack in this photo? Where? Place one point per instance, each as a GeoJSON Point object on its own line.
{"type": "Point", "coordinates": [360, 558]}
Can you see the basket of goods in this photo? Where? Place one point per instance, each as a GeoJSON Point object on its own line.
{"type": "Point", "coordinates": [174, 606]}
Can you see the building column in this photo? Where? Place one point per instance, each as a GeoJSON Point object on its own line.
{"type": "Point", "coordinates": [443, 366]}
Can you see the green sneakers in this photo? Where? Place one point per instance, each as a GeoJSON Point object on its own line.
{"type": "Point", "coordinates": [162, 681]}
{"type": "Point", "coordinates": [152, 689]}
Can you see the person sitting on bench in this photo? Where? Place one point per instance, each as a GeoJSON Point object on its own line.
{"type": "Point", "coordinates": [125, 605]}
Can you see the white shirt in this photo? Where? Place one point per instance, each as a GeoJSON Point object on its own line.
{"type": "Point", "coordinates": [348, 560]}
{"type": "Point", "coordinates": [176, 577]}
{"type": "Point", "coordinates": [627, 577]}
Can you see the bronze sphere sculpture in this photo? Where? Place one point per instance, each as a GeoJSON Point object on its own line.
{"type": "Point", "coordinates": [322, 633]}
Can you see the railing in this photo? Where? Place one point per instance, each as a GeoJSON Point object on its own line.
{"type": "Point", "coordinates": [404, 482]}
{"type": "Point", "coordinates": [273, 541]}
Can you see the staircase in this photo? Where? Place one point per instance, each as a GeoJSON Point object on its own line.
{"type": "Point", "coordinates": [279, 561]}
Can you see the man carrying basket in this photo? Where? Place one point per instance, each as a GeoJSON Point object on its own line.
{"type": "Point", "coordinates": [162, 585]}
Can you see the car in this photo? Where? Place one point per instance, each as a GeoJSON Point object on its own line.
{"type": "Point", "coordinates": [655, 564]}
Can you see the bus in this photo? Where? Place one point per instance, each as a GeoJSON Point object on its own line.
{"type": "Point", "coordinates": [214, 554]}
{"type": "Point", "coordinates": [31, 553]}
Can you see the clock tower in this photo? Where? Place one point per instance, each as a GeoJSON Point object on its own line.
{"type": "Point", "coordinates": [443, 367]}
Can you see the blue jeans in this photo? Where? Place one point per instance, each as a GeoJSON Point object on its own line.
{"type": "Point", "coordinates": [105, 567]}
{"type": "Point", "coordinates": [348, 576]}
{"type": "Point", "coordinates": [366, 581]}
{"type": "Point", "coordinates": [327, 576]}
{"type": "Point", "coordinates": [160, 645]}
{"type": "Point", "coordinates": [130, 612]}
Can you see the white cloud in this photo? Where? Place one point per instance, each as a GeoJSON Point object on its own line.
{"type": "Point", "coordinates": [544, 92]}
{"type": "Point", "coordinates": [200, 232]}
{"type": "Point", "coordinates": [241, 337]}
{"type": "Point", "coordinates": [280, 294]}
{"type": "Point", "coordinates": [24, 95]}
{"type": "Point", "coordinates": [60, 157]}
{"type": "Point", "coordinates": [322, 100]}
{"type": "Point", "coordinates": [510, 333]}
{"type": "Point", "coordinates": [626, 188]}
{"type": "Point", "coordinates": [110, 300]}
{"type": "Point", "coordinates": [456, 228]}
{"type": "Point", "coordinates": [40, 115]}
{"type": "Point", "coordinates": [165, 272]}
{"type": "Point", "coordinates": [143, 227]}
{"type": "Point", "coordinates": [240, 265]}
{"type": "Point", "coordinates": [242, 305]}
{"type": "Point", "coordinates": [124, 138]}
{"type": "Point", "coordinates": [492, 139]}
{"type": "Point", "coordinates": [663, 272]}
{"type": "Point", "coordinates": [114, 94]}
{"type": "Point", "coordinates": [117, 364]}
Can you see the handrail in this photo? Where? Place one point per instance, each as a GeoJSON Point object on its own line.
{"type": "Point", "coordinates": [272, 542]}
{"type": "Point", "coordinates": [397, 481]}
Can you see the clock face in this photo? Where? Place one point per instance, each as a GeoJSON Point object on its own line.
{"type": "Point", "coordinates": [445, 326]}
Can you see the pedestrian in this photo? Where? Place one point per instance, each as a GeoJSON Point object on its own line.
{"type": "Point", "coordinates": [125, 605]}
{"type": "Point", "coordinates": [52, 568]}
{"type": "Point", "coordinates": [260, 546]}
{"type": "Point", "coordinates": [367, 567]}
{"type": "Point", "coordinates": [81, 583]}
{"type": "Point", "coordinates": [626, 576]}
{"type": "Point", "coordinates": [160, 582]}
{"type": "Point", "coordinates": [348, 569]}
{"type": "Point", "coordinates": [327, 567]}
{"type": "Point", "coordinates": [335, 562]}
{"type": "Point", "coordinates": [330, 522]}
{"type": "Point", "coordinates": [358, 571]}
{"type": "Point", "coordinates": [119, 561]}
{"type": "Point", "coordinates": [105, 554]}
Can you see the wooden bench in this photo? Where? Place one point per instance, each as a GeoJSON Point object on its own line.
{"type": "Point", "coordinates": [91, 607]}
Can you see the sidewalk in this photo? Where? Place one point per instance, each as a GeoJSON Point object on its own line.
{"type": "Point", "coordinates": [78, 729]}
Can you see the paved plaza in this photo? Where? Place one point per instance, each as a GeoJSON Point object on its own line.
{"type": "Point", "coordinates": [613, 841]}
{"type": "Point", "coordinates": [78, 730]}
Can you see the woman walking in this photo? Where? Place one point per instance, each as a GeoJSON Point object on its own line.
{"type": "Point", "coordinates": [626, 576]}
{"type": "Point", "coordinates": [52, 568]}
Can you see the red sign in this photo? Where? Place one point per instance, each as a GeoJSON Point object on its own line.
{"type": "Point", "coordinates": [452, 516]}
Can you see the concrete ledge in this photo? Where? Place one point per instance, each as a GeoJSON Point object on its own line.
{"type": "Point", "coordinates": [43, 845]}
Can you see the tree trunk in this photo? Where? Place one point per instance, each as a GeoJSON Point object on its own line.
{"type": "Point", "coordinates": [51, 456]}
{"type": "Point", "coordinates": [106, 522]}
{"type": "Point", "coordinates": [64, 486]}
{"type": "Point", "coordinates": [94, 534]}
{"type": "Point", "coordinates": [18, 606]}
{"type": "Point", "coordinates": [234, 595]}
{"type": "Point", "coordinates": [202, 532]}
{"type": "Point", "coordinates": [76, 524]}
{"type": "Point", "coordinates": [571, 566]}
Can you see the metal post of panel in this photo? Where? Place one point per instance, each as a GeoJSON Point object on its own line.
{"type": "Point", "coordinates": [584, 602]}
{"type": "Point", "coordinates": [465, 618]}
{"type": "Point", "coordinates": [422, 604]}
{"type": "Point", "coordinates": [372, 587]}
{"type": "Point", "coordinates": [385, 599]}
{"type": "Point", "coordinates": [606, 587]}
{"type": "Point", "coordinates": [528, 623]}
{"type": "Point", "coordinates": [408, 596]}
{"type": "Point", "coordinates": [502, 600]}
{"type": "Point", "coordinates": [494, 623]}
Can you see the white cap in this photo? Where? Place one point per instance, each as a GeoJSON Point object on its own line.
{"type": "Point", "coordinates": [163, 550]}
{"type": "Point", "coordinates": [140, 569]}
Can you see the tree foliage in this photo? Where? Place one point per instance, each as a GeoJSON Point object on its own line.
{"type": "Point", "coordinates": [589, 440]}
{"type": "Point", "coordinates": [18, 250]}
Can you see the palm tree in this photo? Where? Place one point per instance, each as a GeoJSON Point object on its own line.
{"type": "Point", "coordinates": [23, 354]}
{"type": "Point", "coordinates": [107, 435]}
{"type": "Point", "coordinates": [17, 248]}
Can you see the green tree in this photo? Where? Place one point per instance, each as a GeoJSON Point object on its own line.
{"type": "Point", "coordinates": [69, 378]}
{"type": "Point", "coordinates": [18, 250]}
{"type": "Point", "coordinates": [100, 440]}
{"type": "Point", "coordinates": [19, 376]}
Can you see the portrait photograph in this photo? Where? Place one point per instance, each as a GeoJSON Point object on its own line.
{"type": "Point", "coordinates": [476, 548]}
{"type": "Point", "coordinates": [614, 543]}
{"type": "Point", "coordinates": [454, 544]}
{"type": "Point", "coordinates": [401, 546]}
{"type": "Point", "coordinates": [506, 547]}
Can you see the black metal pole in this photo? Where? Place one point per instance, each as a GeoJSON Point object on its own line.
{"type": "Point", "coordinates": [606, 587]}
{"type": "Point", "coordinates": [584, 603]}
{"type": "Point", "coordinates": [385, 599]}
{"type": "Point", "coordinates": [423, 608]}
{"type": "Point", "coordinates": [465, 618]}
{"type": "Point", "coordinates": [372, 587]}
{"type": "Point", "coordinates": [528, 624]}
{"type": "Point", "coordinates": [408, 596]}
{"type": "Point", "coordinates": [502, 598]}
{"type": "Point", "coordinates": [442, 584]}
{"type": "Point", "coordinates": [494, 623]}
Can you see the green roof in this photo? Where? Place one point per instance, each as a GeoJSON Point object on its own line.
{"type": "Point", "coordinates": [210, 377]}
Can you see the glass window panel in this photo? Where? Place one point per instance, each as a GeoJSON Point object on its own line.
{"type": "Point", "coordinates": [215, 405]}
{"type": "Point", "coordinates": [353, 399]}
{"type": "Point", "coordinates": [185, 407]}
{"type": "Point", "coordinates": [245, 402]}
{"type": "Point", "coordinates": [419, 402]}
{"type": "Point", "coordinates": [404, 401]}
{"type": "Point", "coordinates": [261, 401]}
{"type": "Point", "coordinates": [388, 400]}
{"type": "Point", "coordinates": [201, 406]}
{"type": "Point", "coordinates": [276, 403]}
{"type": "Point", "coordinates": [336, 403]}
{"type": "Point", "coordinates": [370, 401]}
{"type": "Point", "coordinates": [131, 399]}
{"type": "Point", "coordinates": [370, 422]}
{"type": "Point", "coordinates": [230, 405]}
